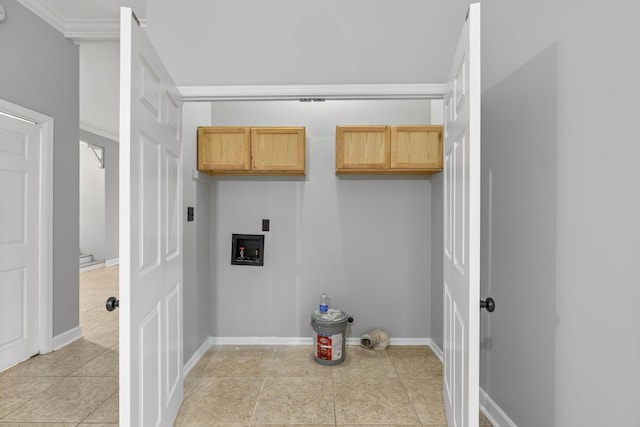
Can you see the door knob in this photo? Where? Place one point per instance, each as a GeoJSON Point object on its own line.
{"type": "Point", "coordinates": [112, 303]}
{"type": "Point", "coordinates": [489, 304]}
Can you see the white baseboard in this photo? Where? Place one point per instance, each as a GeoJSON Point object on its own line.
{"type": "Point", "coordinates": [260, 340]}
{"type": "Point", "coordinates": [211, 341]}
{"type": "Point", "coordinates": [436, 350]}
{"type": "Point", "coordinates": [489, 408]}
{"type": "Point", "coordinates": [110, 262]}
{"type": "Point", "coordinates": [493, 412]}
{"type": "Point", "coordinates": [303, 341]}
{"type": "Point", "coordinates": [407, 341]}
{"type": "Point", "coordinates": [193, 361]}
{"type": "Point", "coordinates": [66, 338]}
{"type": "Point", "coordinates": [92, 267]}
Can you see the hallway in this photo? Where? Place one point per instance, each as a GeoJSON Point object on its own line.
{"type": "Point", "coordinates": [78, 384]}
{"type": "Point", "coordinates": [232, 385]}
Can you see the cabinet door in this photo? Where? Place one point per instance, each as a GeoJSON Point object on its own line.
{"type": "Point", "coordinates": [224, 148]}
{"type": "Point", "coordinates": [278, 150]}
{"type": "Point", "coordinates": [362, 148]}
{"type": "Point", "coordinates": [416, 147]}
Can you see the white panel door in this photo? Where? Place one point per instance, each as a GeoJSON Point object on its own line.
{"type": "Point", "coordinates": [462, 229]}
{"type": "Point", "coordinates": [151, 376]}
{"type": "Point", "coordinates": [19, 239]}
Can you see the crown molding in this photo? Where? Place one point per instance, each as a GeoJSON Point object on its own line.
{"type": "Point", "coordinates": [91, 31]}
{"type": "Point", "coordinates": [312, 92]}
{"type": "Point", "coordinates": [43, 10]}
{"type": "Point", "coordinates": [78, 30]}
{"type": "Point", "coordinates": [100, 132]}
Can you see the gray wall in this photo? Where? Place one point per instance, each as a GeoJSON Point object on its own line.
{"type": "Point", "coordinates": [437, 260]}
{"type": "Point", "coordinates": [197, 310]}
{"type": "Point", "coordinates": [560, 100]}
{"type": "Point", "coordinates": [519, 184]}
{"type": "Point", "coordinates": [100, 88]}
{"type": "Point", "coordinates": [91, 221]}
{"type": "Point", "coordinates": [40, 71]}
{"type": "Point", "coordinates": [366, 241]}
{"type": "Point", "coordinates": [110, 249]}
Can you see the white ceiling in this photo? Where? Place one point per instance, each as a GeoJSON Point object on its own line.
{"type": "Point", "coordinates": [279, 42]}
{"type": "Point", "coordinates": [222, 43]}
{"type": "Point", "coordinates": [296, 42]}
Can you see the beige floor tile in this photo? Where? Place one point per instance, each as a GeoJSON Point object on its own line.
{"type": "Point", "coordinates": [58, 363]}
{"type": "Point", "coordinates": [106, 336]}
{"type": "Point", "coordinates": [97, 425]}
{"type": "Point", "coordinates": [296, 362]}
{"type": "Point", "coordinates": [95, 300]}
{"type": "Point", "coordinates": [295, 401]}
{"type": "Point", "coordinates": [484, 421]}
{"type": "Point", "coordinates": [81, 349]}
{"type": "Point", "coordinates": [15, 391]}
{"type": "Point", "coordinates": [180, 423]}
{"type": "Point", "coordinates": [254, 363]}
{"type": "Point", "coordinates": [224, 400]}
{"type": "Point", "coordinates": [100, 318]}
{"type": "Point", "coordinates": [91, 300]}
{"type": "Point", "coordinates": [426, 396]}
{"type": "Point", "coordinates": [105, 365]}
{"type": "Point", "coordinates": [360, 363]}
{"type": "Point", "coordinates": [105, 276]}
{"type": "Point", "coordinates": [69, 400]}
{"type": "Point", "coordinates": [366, 353]}
{"type": "Point", "coordinates": [429, 368]}
{"type": "Point", "coordinates": [106, 413]}
{"type": "Point", "coordinates": [192, 385]}
{"type": "Point", "coordinates": [38, 424]}
{"type": "Point", "coordinates": [384, 425]}
{"type": "Point", "coordinates": [373, 401]}
{"type": "Point", "coordinates": [410, 351]}
{"type": "Point", "coordinates": [230, 386]}
{"type": "Point", "coordinates": [199, 370]}
{"type": "Point", "coordinates": [288, 425]}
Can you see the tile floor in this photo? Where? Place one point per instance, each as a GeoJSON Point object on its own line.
{"type": "Point", "coordinates": [78, 384]}
{"type": "Point", "coordinates": [249, 385]}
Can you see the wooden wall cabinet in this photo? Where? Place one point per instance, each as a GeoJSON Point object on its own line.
{"type": "Point", "coordinates": [233, 150]}
{"type": "Point", "coordinates": [388, 149]}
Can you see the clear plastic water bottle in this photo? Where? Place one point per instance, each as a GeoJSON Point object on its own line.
{"type": "Point", "coordinates": [324, 303]}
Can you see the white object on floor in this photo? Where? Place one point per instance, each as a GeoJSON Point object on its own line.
{"type": "Point", "coordinates": [376, 339]}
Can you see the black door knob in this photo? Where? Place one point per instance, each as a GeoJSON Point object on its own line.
{"type": "Point", "coordinates": [489, 304]}
{"type": "Point", "coordinates": [112, 303]}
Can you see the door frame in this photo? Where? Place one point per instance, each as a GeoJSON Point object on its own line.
{"type": "Point", "coordinates": [328, 92]}
{"type": "Point", "coordinates": [45, 220]}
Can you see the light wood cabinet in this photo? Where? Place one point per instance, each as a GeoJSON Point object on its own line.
{"type": "Point", "coordinates": [362, 148]}
{"type": "Point", "coordinates": [224, 149]}
{"type": "Point", "coordinates": [388, 149]}
{"type": "Point", "coordinates": [416, 148]}
{"type": "Point", "coordinates": [228, 150]}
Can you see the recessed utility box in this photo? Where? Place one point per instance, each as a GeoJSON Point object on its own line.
{"type": "Point", "coordinates": [247, 249]}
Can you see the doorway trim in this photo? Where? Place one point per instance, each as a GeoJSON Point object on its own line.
{"type": "Point", "coordinates": [45, 220]}
{"type": "Point", "coordinates": [312, 92]}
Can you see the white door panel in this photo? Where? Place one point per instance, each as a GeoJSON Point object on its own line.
{"type": "Point", "coordinates": [19, 239]}
{"type": "Point", "coordinates": [462, 229]}
{"type": "Point", "coordinates": [151, 377]}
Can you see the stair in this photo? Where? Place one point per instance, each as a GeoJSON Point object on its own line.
{"type": "Point", "coordinates": [87, 263]}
